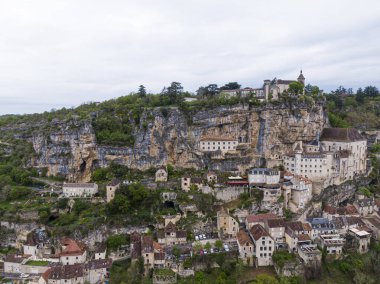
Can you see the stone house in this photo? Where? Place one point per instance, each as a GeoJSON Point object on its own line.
{"type": "Point", "coordinates": [296, 234]}
{"type": "Point", "coordinates": [111, 189]}
{"type": "Point", "coordinates": [147, 252]}
{"type": "Point", "coordinates": [245, 246]}
{"type": "Point", "coordinates": [263, 245]}
{"type": "Point", "coordinates": [161, 175]}
{"type": "Point", "coordinates": [170, 235]}
{"type": "Point", "coordinates": [100, 251]}
{"type": "Point", "coordinates": [333, 243]}
{"type": "Point", "coordinates": [72, 252]}
{"type": "Point", "coordinates": [62, 274]}
{"type": "Point", "coordinates": [301, 193]}
{"type": "Point", "coordinates": [276, 229]}
{"type": "Point", "coordinates": [187, 181]}
{"type": "Point", "coordinates": [92, 272]}
{"type": "Point", "coordinates": [373, 223]}
{"type": "Point", "coordinates": [13, 263]}
{"type": "Point", "coordinates": [227, 225]}
{"type": "Point", "coordinates": [321, 226]}
{"type": "Point", "coordinates": [310, 254]}
{"type": "Point", "coordinates": [365, 206]}
{"type": "Point", "coordinates": [79, 189]}
{"type": "Point", "coordinates": [343, 223]}
{"type": "Point", "coordinates": [211, 177]}
{"type": "Point", "coordinates": [330, 212]}
{"type": "Point", "coordinates": [359, 240]}
{"type": "Point", "coordinates": [258, 219]}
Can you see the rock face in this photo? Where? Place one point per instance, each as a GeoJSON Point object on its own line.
{"type": "Point", "coordinates": [172, 137]}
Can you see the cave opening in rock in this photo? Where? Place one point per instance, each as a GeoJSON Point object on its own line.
{"type": "Point", "coordinates": [82, 166]}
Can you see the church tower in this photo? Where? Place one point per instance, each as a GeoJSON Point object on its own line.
{"type": "Point", "coordinates": [301, 78]}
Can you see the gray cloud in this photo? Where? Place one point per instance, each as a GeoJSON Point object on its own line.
{"type": "Point", "coordinates": [63, 53]}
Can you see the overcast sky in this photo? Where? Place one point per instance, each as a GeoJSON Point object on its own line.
{"type": "Point", "coordinates": [57, 53]}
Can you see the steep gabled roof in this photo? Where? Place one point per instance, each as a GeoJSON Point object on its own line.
{"type": "Point", "coordinates": [260, 217]}
{"type": "Point", "coordinates": [275, 223]}
{"type": "Point", "coordinates": [257, 231]}
{"type": "Point", "coordinates": [72, 247]}
{"type": "Point", "coordinates": [341, 135]}
{"type": "Point", "coordinates": [243, 238]}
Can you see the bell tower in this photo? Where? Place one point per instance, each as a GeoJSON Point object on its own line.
{"type": "Point", "coordinates": [301, 78]}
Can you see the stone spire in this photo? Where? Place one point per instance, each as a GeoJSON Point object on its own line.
{"type": "Point", "coordinates": [301, 78]}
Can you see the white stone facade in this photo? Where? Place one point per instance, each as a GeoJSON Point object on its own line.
{"type": "Point", "coordinates": [79, 189]}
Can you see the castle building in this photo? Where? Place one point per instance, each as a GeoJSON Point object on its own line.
{"type": "Point", "coordinates": [270, 89]}
{"type": "Point", "coordinates": [223, 144]}
{"type": "Point", "coordinates": [337, 156]}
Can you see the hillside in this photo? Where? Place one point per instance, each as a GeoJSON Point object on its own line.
{"type": "Point", "coordinates": [143, 132]}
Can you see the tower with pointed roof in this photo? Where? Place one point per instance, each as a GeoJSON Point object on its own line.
{"type": "Point", "coordinates": [301, 78]}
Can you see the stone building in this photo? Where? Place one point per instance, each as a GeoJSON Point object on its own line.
{"type": "Point", "coordinates": [264, 245]}
{"type": "Point", "coordinates": [300, 193]}
{"type": "Point", "coordinates": [111, 189]}
{"type": "Point", "coordinates": [337, 156]}
{"type": "Point", "coordinates": [245, 246]}
{"type": "Point", "coordinates": [270, 89]}
{"type": "Point", "coordinates": [79, 189]}
{"type": "Point", "coordinates": [227, 225]}
{"type": "Point", "coordinates": [73, 252]}
{"type": "Point", "coordinates": [268, 181]}
{"type": "Point", "coordinates": [161, 175]}
{"type": "Point", "coordinates": [218, 143]}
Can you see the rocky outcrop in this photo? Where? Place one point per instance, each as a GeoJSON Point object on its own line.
{"type": "Point", "coordinates": [172, 136]}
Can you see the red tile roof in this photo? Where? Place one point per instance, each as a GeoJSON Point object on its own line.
{"type": "Point", "coordinates": [72, 247]}
{"type": "Point", "coordinates": [257, 231]}
{"type": "Point", "coordinates": [260, 217]}
{"type": "Point", "coordinates": [243, 238]}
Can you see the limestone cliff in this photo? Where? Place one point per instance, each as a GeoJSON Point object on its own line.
{"type": "Point", "coordinates": [69, 148]}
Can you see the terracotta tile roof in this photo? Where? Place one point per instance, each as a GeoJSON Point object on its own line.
{"type": "Point", "coordinates": [306, 227]}
{"type": "Point", "coordinates": [100, 247]}
{"type": "Point", "coordinates": [160, 234]}
{"type": "Point", "coordinates": [147, 244]}
{"type": "Point", "coordinates": [341, 134]}
{"type": "Point", "coordinates": [159, 256]}
{"type": "Point", "coordinates": [303, 237]}
{"type": "Point", "coordinates": [170, 228]}
{"type": "Point", "coordinates": [257, 231]}
{"type": "Point", "coordinates": [217, 138]}
{"type": "Point", "coordinates": [64, 272]}
{"type": "Point", "coordinates": [135, 237]}
{"type": "Point", "coordinates": [260, 217]}
{"type": "Point", "coordinates": [243, 238]}
{"type": "Point", "coordinates": [157, 246]}
{"type": "Point", "coordinates": [275, 223]}
{"type": "Point", "coordinates": [114, 182]}
{"type": "Point", "coordinates": [74, 185]}
{"type": "Point", "coordinates": [181, 234]}
{"type": "Point", "coordinates": [98, 264]}
{"type": "Point", "coordinates": [15, 258]}
{"type": "Point", "coordinates": [72, 247]}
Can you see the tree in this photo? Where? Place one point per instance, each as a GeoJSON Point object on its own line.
{"type": "Point", "coordinates": [360, 95]}
{"type": "Point", "coordinates": [176, 252]}
{"type": "Point", "coordinates": [173, 92]}
{"type": "Point", "coordinates": [371, 91]}
{"type": "Point", "coordinates": [218, 244]}
{"type": "Point", "coordinates": [295, 89]}
{"type": "Point", "coordinates": [208, 92]}
{"type": "Point", "coordinates": [231, 86]}
{"type": "Point", "coordinates": [208, 246]}
{"type": "Point", "coordinates": [142, 91]}
{"type": "Point", "coordinates": [265, 279]}
{"type": "Point", "coordinates": [200, 277]}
